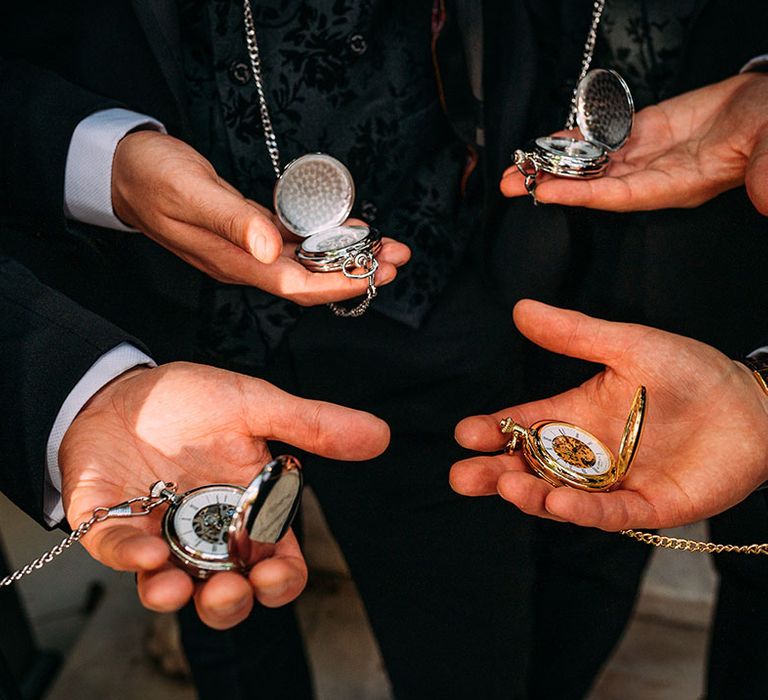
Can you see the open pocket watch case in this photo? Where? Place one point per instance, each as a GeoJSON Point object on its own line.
{"type": "Point", "coordinates": [564, 454]}
{"type": "Point", "coordinates": [604, 115]}
{"type": "Point", "coordinates": [313, 198]}
{"type": "Point", "coordinates": [222, 527]}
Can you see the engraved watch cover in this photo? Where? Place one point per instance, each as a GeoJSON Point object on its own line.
{"type": "Point", "coordinates": [604, 109]}
{"type": "Point", "coordinates": [315, 193]}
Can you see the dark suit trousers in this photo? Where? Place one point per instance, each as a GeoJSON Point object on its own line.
{"type": "Point", "coordinates": [462, 593]}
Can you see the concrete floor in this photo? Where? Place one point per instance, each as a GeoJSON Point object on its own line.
{"type": "Point", "coordinates": [660, 657]}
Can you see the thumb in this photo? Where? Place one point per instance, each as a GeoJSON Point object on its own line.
{"type": "Point", "coordinates": [756, 177]}
{"type": "Point", "coordinates": [572, 333]}
{"type": "Point", "coordinates": [315, 426]}
{"type": "Point", "coordinates": [218, 207]}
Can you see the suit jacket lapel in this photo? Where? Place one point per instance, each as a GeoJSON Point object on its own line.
{"type": "Point", "coordinates": [160, 22]}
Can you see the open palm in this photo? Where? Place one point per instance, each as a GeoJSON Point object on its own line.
{"type": "Point", "coordinates": [703, 447]}
{"type": "Point", "coordinates": [195, 425]}
{"type": "Point", "coordinates": [682, 152]}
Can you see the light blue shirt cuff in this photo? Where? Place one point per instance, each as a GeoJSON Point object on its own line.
{"type": "Point", "coordinates": [88, 171]}
{"type": "Point", "coordinates": [110, 365]}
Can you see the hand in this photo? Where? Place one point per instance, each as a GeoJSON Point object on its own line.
{"type": "Point", "coordinates": [166, 189]}
{"type": "Point", "coordinates": [682, 152]}
{"type": "Point", "coordinates": [195, 425]}
{"type": "Point", "coordinates": [704, 446]}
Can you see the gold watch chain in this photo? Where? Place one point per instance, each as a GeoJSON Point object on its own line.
{"type": "Point", "coordinates": [681, 544]}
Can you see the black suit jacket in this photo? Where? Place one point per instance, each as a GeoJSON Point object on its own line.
{"type": "Point", "coordinates": [47, 344]}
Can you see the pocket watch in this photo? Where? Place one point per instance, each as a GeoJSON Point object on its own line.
{"type": "Point", "coordinates": [222, 527]}
{"type": "Point", "coordinates": [564, 454]}
{"type": "Point", "coordinates": [313, 198]}
{"type": "Point", "coordinates": [604, 115]}
{"type": "Point", "coordinates": [219, 527]}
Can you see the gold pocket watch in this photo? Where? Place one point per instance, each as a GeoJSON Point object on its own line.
{"type": "Point", "coordinates": [564, 454]}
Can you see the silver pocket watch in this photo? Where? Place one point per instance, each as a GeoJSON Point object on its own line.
{"type": "Point", "coordinates": [604, 113]}
{"type": "Point", "coordinates": [313, 198]}
{"type": "Point", "coordinates": [218, 527]}
{"type": "Point", "coordinates": [221, 527]}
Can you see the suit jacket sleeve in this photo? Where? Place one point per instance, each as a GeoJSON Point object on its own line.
{"type": "Point", "coordinates": [47, 343]}
{"type": "Point", "coordinates": [39, 111]}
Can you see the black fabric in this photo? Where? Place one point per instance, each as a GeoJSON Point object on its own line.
{"type": "Point", "coordinates": [47, 343]}
{"type": "Point", "coordinates": [737, 650]}
{"type": "Point", "coordinates": [472, 607]}
{"type": "Point", "coordinates": [8, 688]}
{"type": "Point", "coordinates": [696, 272]}
{"type": "Point", "coordinates": [368, 66]}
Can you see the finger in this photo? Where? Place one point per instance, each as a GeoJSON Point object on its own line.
{"type": "Point", "coordinates": [575, 334]}
{"type": "Point", "coordinates": [224, 600]}
{"type": "Point", "coordinates": [478, 476]}
{"type": "Point", "coordinates": [483, 433]}
{"type": "Point", "coordinates": [212, 206]}
{"type": "Point", "coordinates": [315, 426]}
{"type": "Point", "coordinates": [617, 510]}
{"type": "Point", "coordinates": [281, 578]}
{"type": "Point", "coordinates": [126, 548]}
{"type": "Point", "coordinates": [394, 252]}
{"type": "Point", "coordinates": [513, 183]}
{"type": "Point", "coordinates": [756, 178]}
{"type": "Point", "coordinates": [623, 189]}
{"type": "Point", "coordinates": [290, 279]}
{"type": "Point", "coordinates": [480, 433]}
{"type": "Point", "coordinates": [528, 492]}
{"type": "Point", "coordinates": [164, 590]}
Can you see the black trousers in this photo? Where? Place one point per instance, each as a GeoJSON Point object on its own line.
{"type": "Point", "coordinates": [738, 649]}
{"type": "Point", "coordinates": [468, 598]}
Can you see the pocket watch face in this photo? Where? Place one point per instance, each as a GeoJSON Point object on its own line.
{"type": "Point", "coordinates": [335, 239]}
{"type": "Point", "coordinates": [201, 521]}
{"type": "Point", "coordinates": [564, 146]}
{"type": "Point", "coordinates": [574, 449]}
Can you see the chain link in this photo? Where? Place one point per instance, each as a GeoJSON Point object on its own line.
{"type": "Point", "coordinates": [679, 543]}
{"type": "Point", "coordinates": [529, 169]}
{"type": "Point", "coordinates": [370, 265]}
{"type": "Point", "coordinates": [255, 57]}
{"type": "Point", "coordinates": [160, 492]}
{"type": "Point", "coordinates": [586, 61]}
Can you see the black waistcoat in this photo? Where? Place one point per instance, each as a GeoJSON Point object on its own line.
{"type": "Point", "coordinates": [352, 79]}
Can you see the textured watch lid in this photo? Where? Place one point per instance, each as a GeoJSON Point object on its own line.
{"type": "Point", "coordinates": [632, 432]}
{"type": "Point", "coordinates": [315, 192]}
{"type": "Point", "coordinates": [604, 109]}
{"type": "Point", "coordinates": [266, 508]}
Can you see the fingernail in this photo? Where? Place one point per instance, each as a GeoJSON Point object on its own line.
{"type": "Point", "coordinates": [260, 248]}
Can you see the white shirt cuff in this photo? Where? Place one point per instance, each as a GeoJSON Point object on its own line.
{"type": "Point", "coordinates": [110, 365]}
{"type": "Point", "coordinates": [88, 172]}
{"type": "Point", "coordinates": [757, 63]}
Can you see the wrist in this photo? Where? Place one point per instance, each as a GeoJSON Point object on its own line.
{"type": "Point", "coordinates": [755, 371]}
{"type": "Point", "coordinates": [109, 388]}
{"type": "Point", "coordinates": [123, 175]}
{"type": "Point", "coordinates": [757, 364]}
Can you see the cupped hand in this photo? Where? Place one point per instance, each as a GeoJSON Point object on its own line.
{"type": "Point", "coordinates": [195, 425]}
{"type": "Point", "coordinates": [703, 447]}
{"type": "Point", "coordinates": [682, 152]}
{"type": "Point", "coordinates": [168, 191]}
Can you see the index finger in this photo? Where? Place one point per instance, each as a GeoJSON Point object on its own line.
{"type": "Point", "coordinates": [315, 426]}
